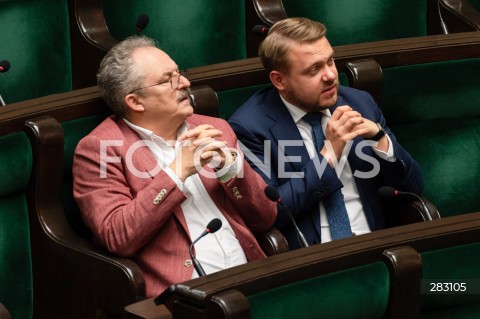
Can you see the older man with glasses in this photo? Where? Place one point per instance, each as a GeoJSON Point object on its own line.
{"type": "Point", "coordinates": [150, 177]}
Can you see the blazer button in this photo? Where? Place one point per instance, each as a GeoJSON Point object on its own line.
{"type": "Point", "coordinates": [159, 196]}
{"type": "Point", "coordinates": [188, 263]}
{"type": "Point", "coordinates": [236, 193]}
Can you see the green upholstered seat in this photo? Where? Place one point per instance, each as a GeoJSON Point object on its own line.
{"type": "Point", "coordinates": [358, 21]}
{"type": "Point", "coordinates": [192, 32]}
{"type": "Point", "coordinates": [457, 264]}
{"type": "Point", "coordinates": [16, 291]}
{"type": "Point", "coordinates": [360, 292]}
{"type": "Point", "coordinates": [35, 39]}
{"type": "Point", "coordinates": [231, 100]}
{"type": "Point", "coordinates": [434, 110]}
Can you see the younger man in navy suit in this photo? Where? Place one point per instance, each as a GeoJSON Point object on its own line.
{"type": "Point", "coordinates": [325, 147]}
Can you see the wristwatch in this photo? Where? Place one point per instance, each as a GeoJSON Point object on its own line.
{"type": "Point", "coordinates": [380, 133]}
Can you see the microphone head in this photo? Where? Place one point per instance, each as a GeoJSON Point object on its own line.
{"type": "Point", "coordinates": [4, 66]}
{"type": "Point", "coordinates": [214, 225]}
{"type": "Point", "coordinates": [260, 29]}
{"type": "Point", "coordinates": [272, 193]}
{"type": "Point", "coordinates": [142, 21]}
{"type": "Point", "coordinates": [387, 192]}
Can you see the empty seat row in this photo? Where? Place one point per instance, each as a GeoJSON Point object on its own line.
{"type": "Point", "coordinates": [55, 46]}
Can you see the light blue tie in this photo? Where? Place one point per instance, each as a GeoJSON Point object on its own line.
{"type": "Point", "coordinates": [334, 204]}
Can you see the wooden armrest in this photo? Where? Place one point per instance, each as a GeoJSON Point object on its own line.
{"type": "Point", "coordinates": [73, 277]}
{"type": "Point", "coordinates": [272, 242]}
{"type": "Point", "coordinates": [458, 16]}
{"type": "Point", "coordinates": [402, 211]}
{"type": "Point", "coordinates": [405, 267]}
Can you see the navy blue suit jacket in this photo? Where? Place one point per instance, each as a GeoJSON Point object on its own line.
{"type": "Point", "coordinates": [264, 117]}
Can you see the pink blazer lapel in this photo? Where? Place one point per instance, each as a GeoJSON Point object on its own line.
{"type": "Point", "coordinates": [145, 163]}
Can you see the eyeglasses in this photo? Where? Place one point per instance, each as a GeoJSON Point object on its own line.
{"type": "Point", "coordinates": [174, 84]}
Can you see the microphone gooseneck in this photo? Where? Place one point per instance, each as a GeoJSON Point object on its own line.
{"type": "Point", "coordinates": [214, 225]}
{"type": "Point", "coordinates": [388, 192]}
{"type": "Point", "coordinates": [273, 195]}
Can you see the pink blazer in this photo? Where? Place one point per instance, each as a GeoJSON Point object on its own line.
{"type": "Point", "coordinates": [140, 216]}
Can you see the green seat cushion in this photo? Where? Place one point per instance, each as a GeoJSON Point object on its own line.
{"type": "Point", "coordinates": [457, 264]}
{"type": "Point", "coordinates": [358, 21]}
{"type": "Point", "coordinates": [16, 291]}
{"type": "Point", "coordinates": [360, 292]}
{"type": "Point", "coordinates": [193, 32]}
{"type": "Point", "coordinates": [35, 39]}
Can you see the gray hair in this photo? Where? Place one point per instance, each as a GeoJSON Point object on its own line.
{"type": "Point", "coordinates": [118, 75]}
{"type": "Point", "coordinates": [283, 34]}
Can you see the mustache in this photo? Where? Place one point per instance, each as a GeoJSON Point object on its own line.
{"type": "Point", "coordinates": [186, 94]}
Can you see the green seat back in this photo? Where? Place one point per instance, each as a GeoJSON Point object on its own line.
{"type": "Point", "coordinates": [434, 110]}
{"type": "Point", "coordinates": [74, 131]}
{"type": "Point", "coordinates": [358, 21]}
{"type": "Point", "coordinates": [231, 100]}
{"type": "Point", "coordinates": [192, 32]}
{"type": "Point", "coordinates": [35, 39]}
{"type": "Point", "coordinates": [360, 292]}
{"type": "Point", "coordinates": [16, 291]}
{"type": "Point", "coordinates": [457, 264]}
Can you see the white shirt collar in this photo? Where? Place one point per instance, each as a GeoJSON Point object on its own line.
{"type": "Point", "coordinates": [149, 135]}
{"type": "Point", "coordinates": [297, 113]}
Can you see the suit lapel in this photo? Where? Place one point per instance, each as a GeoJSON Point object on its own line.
{"type": "Point", "coordinates": [144, 161]}
{"type": "Point", "coordinates": [284, 131]}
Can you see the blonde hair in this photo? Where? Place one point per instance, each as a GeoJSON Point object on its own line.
{"type": "Point", "coordinates": [283, 34]}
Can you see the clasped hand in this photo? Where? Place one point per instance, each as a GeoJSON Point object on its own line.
{"type": "Point", "coordinates": [200, 147]}
{"type": "Point", "coordinates": [344, 125]}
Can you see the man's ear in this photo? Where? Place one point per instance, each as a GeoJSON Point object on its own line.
{"type": "Point", "coordinates": [134, 102]}
{"type": "Point", "coordinates": [278, 80]}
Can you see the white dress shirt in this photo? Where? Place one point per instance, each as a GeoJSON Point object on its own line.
{"type": "Point", "coordinates": [353, 203]}
{"type": "Point", "coordinates": [217, 251]}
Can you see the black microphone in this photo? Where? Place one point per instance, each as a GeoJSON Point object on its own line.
{"type": "Point", "coordinates": [212, 227]}
{"type": "Point", "coordinates": [260, 29]}
{"type": "Point", "coordinates": [273, 195]}
{"type": "Point", "coordinates": [142, 22]}
{"type": "Point", "coordinates": [4, 66]}
{"type": "Point", "coordinates": [191, 98]}
{"type": "Point", "coordinates": [388, 192]}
